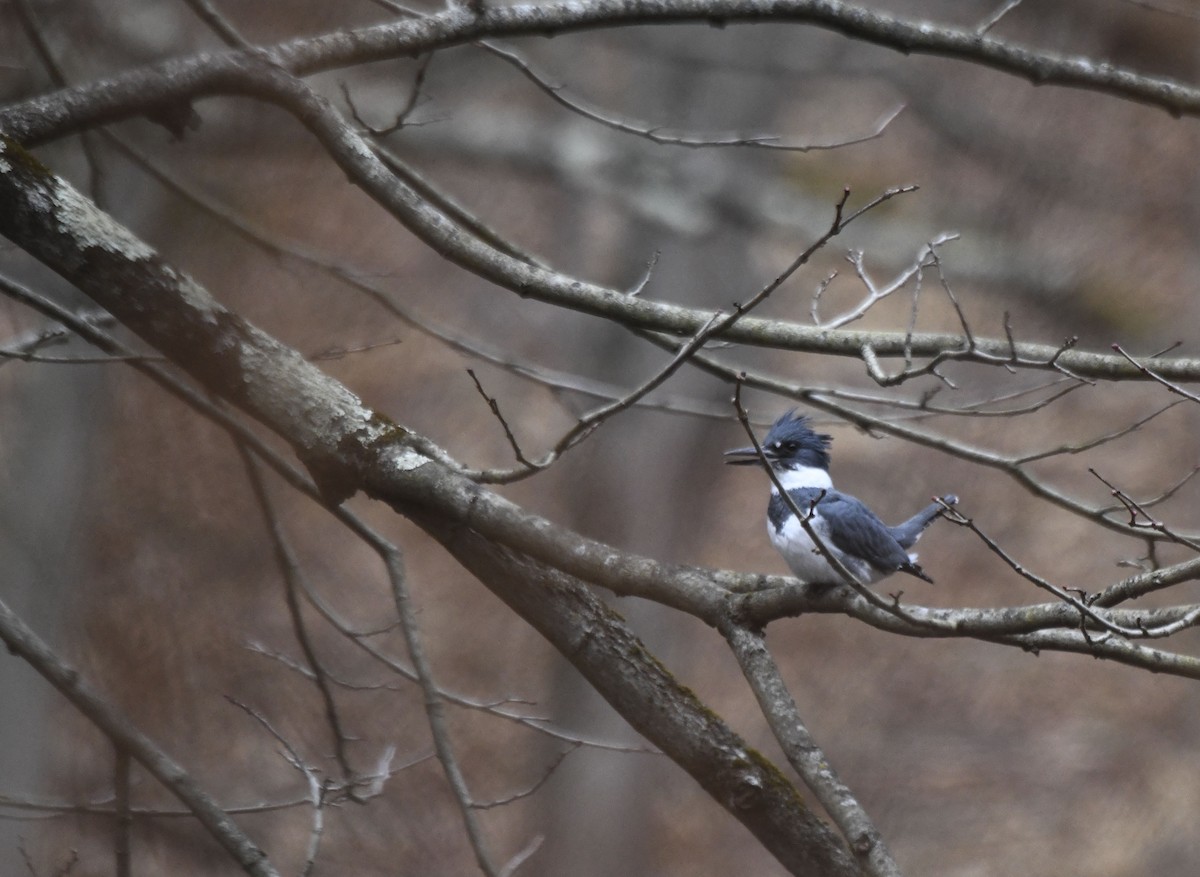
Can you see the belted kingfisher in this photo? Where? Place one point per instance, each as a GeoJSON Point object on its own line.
{"type": "Point", "coordinates": [853, 533]}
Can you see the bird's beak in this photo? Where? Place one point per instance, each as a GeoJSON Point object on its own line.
{"type": "Point", "coordinates": [744, 457]}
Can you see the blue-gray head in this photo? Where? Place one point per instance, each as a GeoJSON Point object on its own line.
{"type": "Point", "coordinates": [790, 443]}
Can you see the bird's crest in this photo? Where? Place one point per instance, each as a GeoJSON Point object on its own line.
{"type": "Point", "coordinates": [792, 435]}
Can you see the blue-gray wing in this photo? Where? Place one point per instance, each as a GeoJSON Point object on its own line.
{"type": "Point", "coordinates": [856, 530]}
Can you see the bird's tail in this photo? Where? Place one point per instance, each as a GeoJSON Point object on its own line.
{"type": "Point", "coordinates": [914, 569]}
{"type": "Point", "coordinates": [910, 531]}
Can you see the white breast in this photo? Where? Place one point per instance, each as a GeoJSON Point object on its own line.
{"type": "Point", "coordinates": [806, 562]}
{"type": "Point", "coordinates": [807, 476]}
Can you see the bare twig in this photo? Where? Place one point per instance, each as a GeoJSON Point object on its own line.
{"type": "Point", "coordinates": [289, 568]}
{"type": "Point", "coordinates": [1188, 12]}
{"type": "Point", "coordinates": [406, 110]}
{"type": "Point", "coordinates": [593, 420]}
{"type": "Point", "coordinates": [714, 327]}
{"type": "Point", "coordinates": [1083, 606]}
{"type": "Point", "coordinates": [994, 19]}
{"type": "Point", "coordinates": [24, 643]}
{"type": "Point", "coordinates": [494, 407]}
{"type": "Point", "coordinates": [1140, 518]}
{"type": "Point", "coordinates": [644, 280]}
{"type": "Point", "coordinates": [523, 856]}
{"type": "Point", "coordinates": [394, 563]}
{"type": "Point", "coordinates": [875, 292]}
{"type": "Point", "coordinates": [1103, 439]}
{"type": "Point", "coordinates": [218, 24]}
{"type": "Point", "coordinates": [533, 787]}
{"type": "Point", "coordinates": [1154, 376]}
{"type": "Point", "coordinates": [662, 136]}
{"type": "Point", "coordinates": [107, 807]}
{"type": "Point", "coordinates": [312, 778]}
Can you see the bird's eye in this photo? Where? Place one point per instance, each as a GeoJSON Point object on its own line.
{"type": "Point", "coordinates": [790, 447]}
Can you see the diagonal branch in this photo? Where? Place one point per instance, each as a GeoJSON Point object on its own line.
{"type": "Point", "coordinates": [25, 644]}
{"type": "Point", "coordinates": [435, 712]}
{"type": "Point", "coordinates": [289, 567]}
{"type": "Point", "coordinates": [802, 751]}
{"type": "Point", "coordinates": [607, 653]}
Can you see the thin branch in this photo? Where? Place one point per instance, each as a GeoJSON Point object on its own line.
{"type": "Point", "coordinates": [1137, 512]}
{"type": "Point", "coordinates": [24, 643]}
{"type": "Point", "coordinates": [654, 134]}
{"type": "Point", "coordinates": [533, 787]}
{"type": "Point", "coordinates": [1083, 606]}
{"type": "Point", "coordinates": [107, 808]}
{"type": "Point", "coordinates": [662, 136]}
{"type": "Point", "coordinates": [935, 259]}
{"type": "Point", "coordinates": [805, 755]}
{"type": "Point", "coordinates": [1187, 12]}
{"type": "Point", "coordinates": [994, 19]}
{"type": "Point", "coordinates": [525, 854]}
{"type": "Point", "coordinates": [1155, 376]}
{"type": "Point", "coordinates": [717, 324]}
{"type": "Point", "coordinates": [289, 568]}
{"type": "Point", "coordinates": [593, 420]}
{"type": "Point", "coordinates": [62, 870]}
{"type": "Point", "coordinates": [434, 711]}
{"type": "Point", "coordinates": [494, 406]}
{"type": "Point", "coordinates": [1090, 444]}
{"type": "Point", "coordinates": [316, 788]}
{"type": "Point", "coordinates": [24, 346]}
{"type": "Point", "coordinates": [496, 709]}
{"type": "Point", "coordinates": [1171, 490]}
{"type": "Point", "coordinates": [406, 110]}
{"type": "Point", "coordinates": [219, 24]}
{"type": "Point", "coordinates": [876, 293]}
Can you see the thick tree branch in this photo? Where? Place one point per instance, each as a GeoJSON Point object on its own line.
{"type": "Point", "coordinates": [182, 80]}
{"type": "Point", "coordinates": [265, 74]}
{"type": "Point", "coordinates": [595, 639]}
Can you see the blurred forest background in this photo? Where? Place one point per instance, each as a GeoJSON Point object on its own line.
{"type": "Point", "coordinates": [132, 541]}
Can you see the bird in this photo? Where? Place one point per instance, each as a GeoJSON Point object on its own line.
{"type": "Point", "coordinates": [854, 534]}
